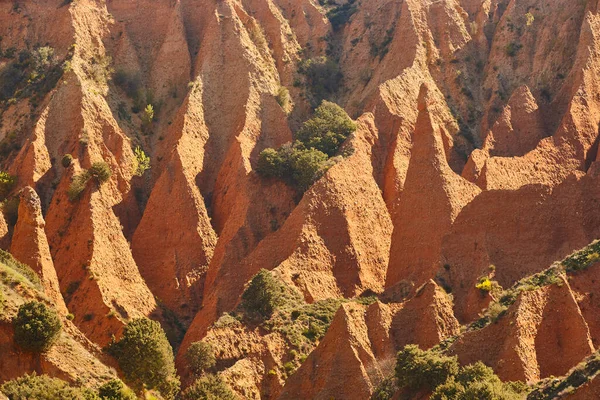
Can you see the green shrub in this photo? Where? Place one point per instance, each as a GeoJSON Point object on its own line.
{"type": "Point", "coordinates": [283, 98]}
{"type": "Point", "coordinates": [43, 58]}
{"type": "Point", "coordinates": [11, 77]}
{"type": "Point", "coordinates": [477, 372]}
{"type": "Point", "coordinates": [7, 183]}
{"type": "Point", "coordinates": [148, 116]}
{"type": "Point", "coordinates": [323, 76]}
{"type": "Point", "coordinates": [340, 15]}
{"type": "Point", "coordinates": [101, 171]}
{"type": "Point", "coordinates": [303, 324]}
{"type": "Point", "coordinates": [327, 129]}
{"type": "Point", "coordinates": [99, 68]}
{"type": "Point", "coordinates": [513, 48]}
{"type": "Point", "coordinates": [583, 258]}
{"type": "Point", "coordinates": [263, 295]}
{"type": "Point", "coordinates": [417, 369]}
{"type": "Point", "coordinates": [300, 164]}
{"type": "Point", "coordinates": [142, 161]}
{"type": "Point", "coordinates": [271, 164]}
{"type": "Point", "coordinates": [37, 327]}
{"type": "Point", "coordinates": [130, 83]}
{"type": "Point", "coordinates": [78, 185]}
{"type": "Point", "coordinates": [146, 357]}
{"type": "Point", "coordinates": [200, 357]}
{"type": "Point", "coordinates": [477, 381]}
{"type": "Point", "coordinates": [296, 165]}
{"type": "Point", "coordinates": [449, 390]}
{"type": "Point", "coordinates": [115, 389]}
{"type": "Point", "coordinates": [307, 166]}
{"type": "Point", "coordinates": [209, 387]}
{"type": "Point", "coordinates": [485, 390]}
{"type": "Point", "coordinates": [67, 160]}
{"type": "Point", "coordinates": [385, 390]}
{"type": "Point", "coordinates": [42, 387]}
{"type": "Point", "coordinates": [10, 209]}
{"type": "Point", "coordinates": [530, 18]}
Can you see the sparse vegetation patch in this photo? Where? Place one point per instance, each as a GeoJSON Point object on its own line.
{"type": "Point", "coordinates": [303, 162]}
{"type": "Point", "coordinates": [323, 78]}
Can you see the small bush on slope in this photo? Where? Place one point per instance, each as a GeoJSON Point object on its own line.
{"type": "Point", "coordinates": [340, 15]}
{"type": "Point", "coordinates": [209, 387]}
{"type": "Point", "coordinates": [67, 160]}
{"type": "Point", "coordinates": [283, 98]}
{"type": "Point", "coordinates": [42, 387]}
{"type": "Point", "coordinates": [323, 76]}
{"type": "Point", "coordinates": [327, 129]}
{"type": "Point", "coordinates": [200, 357]}
{"type": "Point", "coordinates": [78, 185]}
{"type": "Point", "coordinates": [101, 171]}
{"type": "Point", "coordinates": [262, 296]}
{"type": "Point", "coordinates": [385, 390]}
{"type": "Point", "coordinates": [142, 161]}
{"type": "Point", "coordinates": [477, 381]}
{"type": "Point", "coordinates": [146, 357]}
{"type": "Point", "coordinates": [115, 389]}
{"type": "Point", "coordinates": [418, 369]}
{"type": "Point", "coordinates": [37, 327]}
{"type": "Point", "coordinates": [7, 183]}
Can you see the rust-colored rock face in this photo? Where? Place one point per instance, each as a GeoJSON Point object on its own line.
{"type": "Point", "coordinates": [475, 156]}
{"type": "Point", "coordinates": [30, 245]}
{"type": "Point", "coordinates": [535, 339]}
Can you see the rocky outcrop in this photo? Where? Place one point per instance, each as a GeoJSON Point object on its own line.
{"type": "Point", "coordinates": [432, 198]}
{"type": "Point", "coordinates": [359, 348]}
{"type": "Point", "coordinates": [475, 156]}
{"type": "Point", "coordinates": [479, 237]}
{"type": "Point", "coordinates": [534, 339]}
{"type": "Point", "coordinates": [343, 356]}
{"type": "Point", "coordinates": [183, 252]}
{"type": "Point", "coordinates": [432, 308]}
{"type": "Point", "coordinates": [73, 357]}
{"type": "Point", "coordinates": [30, 245]}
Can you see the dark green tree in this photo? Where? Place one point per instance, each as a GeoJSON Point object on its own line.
{"type": "Point", "coordinates": [37, 327]}
{"type": "Point", "coordinates": [209, 387]}
{"type": "Point", "coordinates": [67, 160]}
{"type": "Point", "coordinates": [323, 76]}
{"type": "Point", "coordinates": [327, 129]}
{"type": "Point", "coordinates": [263, 295]}
{"type": "Point", "coordinates": [271, 164]}
{"type": "Point", "coordinates": [115, 389]}
{"type": "Point", "coordinates": [307, 166]}
{"type": "Point", "coordinates": [146, 357]}
{"type": "Point", "coordinates": [200, 357]}
{"type": "Point", "coordinates": [418, 369]}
